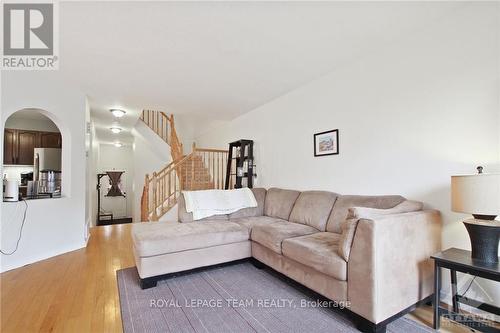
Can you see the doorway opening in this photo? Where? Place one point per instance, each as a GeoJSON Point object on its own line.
{"type": "Point", "coordinates": [32, 156]}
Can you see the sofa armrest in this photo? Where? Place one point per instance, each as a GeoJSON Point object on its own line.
{"type": "Point", "coordinates": [389, 267]}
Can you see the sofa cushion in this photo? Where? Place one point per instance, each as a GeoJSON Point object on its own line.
{"type": "Point", "coordinates": [260, 196]}
{"type": "Point", "coordinates": [251, 222]}
{"type": "Point", "coordinates": [406, 206]}
{"type": "Point", "coordinates": [318, 251]}
{"type": "Point", "coordinates": [151, 239]}
{"type": "Point", "coordinates": [184, 216]}
{"type": "Point", "coordinates": [348, 227]}
{"type": "Point", "coordinates": [344, 202]}
{"type": "Point", "coordinates": [279, 202]}
{"type": "Point", "coordinates": [272, 234]}
{"type": "Point", "coordinates": [313, 208]}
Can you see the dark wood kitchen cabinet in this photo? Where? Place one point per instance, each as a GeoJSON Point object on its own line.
{"type": "Point", "coordinates": [9, 146]}
{"type": "Point", "coordinates": [19, 144]}
{"type": "Point", "coordinates": [50, 140]}
{"type": "Point", "coordinates": [27, 141]}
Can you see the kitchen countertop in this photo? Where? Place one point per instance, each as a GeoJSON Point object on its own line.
{"type": "Point", "coordinates": [42, 196]}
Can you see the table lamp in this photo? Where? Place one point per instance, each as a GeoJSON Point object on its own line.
{"type": "Point", "coordinates": [479, 195]}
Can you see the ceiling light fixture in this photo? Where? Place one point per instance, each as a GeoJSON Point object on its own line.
{"type": "Point", "coordinates": [117, 113]}
{"type": "Point", "coordinates": [116, 130]}
{"type": "Point", "coordinates": [118, 144]}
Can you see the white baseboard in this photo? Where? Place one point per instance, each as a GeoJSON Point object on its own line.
{"type": "Point", "coordinates": [39, 258]}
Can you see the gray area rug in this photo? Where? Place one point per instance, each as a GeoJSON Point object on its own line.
{"type": "Point", "coordinates": [235, 298]}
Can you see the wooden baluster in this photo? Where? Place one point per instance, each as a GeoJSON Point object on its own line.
{"type": "Point", "coordinates": [216, 171]}
{"type": "Point", "coordinates": [157, 122]}
{"type": "Point", "coordinates": [169, 131]}
{"type": "Point", "coordinates": [155, 197]}
{"type": "Point", "coordinates": [145, 200]}
{"type": "Point", "coordinates": [169, 189]}
{"type": "Point", "coordinates": [202, 171]}
{"type": "Point", "coordinates": [212, 167]}
{"type": "Point", "coordinates": [216, 167]}
{"type": "Point", "coordinates": [164, 127]}
{"type": "Point", "coordinates": [192, 171]}
{"type": "Point", "coordinates": [162, 195]}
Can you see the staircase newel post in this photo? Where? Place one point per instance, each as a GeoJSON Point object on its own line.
{"type": "Point", "coordinates": [145, 200]}
{"type": "Point", "coordinates": [155, 197]}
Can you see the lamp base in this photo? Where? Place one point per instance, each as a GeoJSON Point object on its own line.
{"type": "Point", "coordinates": [484, 236]}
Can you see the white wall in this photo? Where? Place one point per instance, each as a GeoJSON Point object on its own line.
{"type": "Point", "coordinates": [53, 226]}
{"type": "Point", "coordinates": [20, 122]}
{"type": "Point", "coordinates": [92, 173]}
{"type": "Point", "coordinates": [89, 138]}
{"type": "Point", "coordinates": [112, 158]}
{"type": "Point", "coordinates": [410, 116]}
{"type": "Point", "coordinates": [150, 154]}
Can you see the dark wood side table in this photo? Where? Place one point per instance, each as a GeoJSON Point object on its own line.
{"type": "Point", "coordinates": [461, 261]}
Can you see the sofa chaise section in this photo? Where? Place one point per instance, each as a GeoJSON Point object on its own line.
{"type": "Point", "coordinates": [165, 247]}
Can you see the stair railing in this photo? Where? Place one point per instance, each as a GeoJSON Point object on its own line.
{"type": "Point", "coordinates": [201, 169]}
{"type": "Point", "coordinates": [164, 127]}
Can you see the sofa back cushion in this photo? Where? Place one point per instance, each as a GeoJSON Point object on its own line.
{"type": "Point", "coordinates": [344, 202]}
{"type": "Point", "coordinates": [279, 202]}
{"type": "Point", "coordinates": [184, 216]}
{"type": "Point", "coordinates": [260, 196]}
{"type": "Point", "coordinates": [313, 208]}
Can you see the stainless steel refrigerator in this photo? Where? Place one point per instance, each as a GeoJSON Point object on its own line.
{"type": "Point", "coordinates": [46, 171]}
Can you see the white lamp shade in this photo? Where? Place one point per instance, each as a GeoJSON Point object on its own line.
{"type": "Point", "coordinates": [476, 194]}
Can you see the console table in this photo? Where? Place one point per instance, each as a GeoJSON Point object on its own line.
{"type": "Point", "coordinates": [461, 261]}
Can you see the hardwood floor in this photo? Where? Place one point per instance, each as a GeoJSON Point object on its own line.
{"type": "Point", "coordinates": [73, 292]}
{"type": "Point", "coordinates": [77, 291]}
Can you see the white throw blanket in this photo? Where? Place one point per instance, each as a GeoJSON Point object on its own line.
{"type": "Point", "coordinates": [218, 202]}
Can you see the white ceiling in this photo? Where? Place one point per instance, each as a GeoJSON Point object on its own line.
{"type": "Point", "coordinates": [219, 59]}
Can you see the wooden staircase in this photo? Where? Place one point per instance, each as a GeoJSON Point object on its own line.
{"type": "Point", "coordinates": [200, 170]}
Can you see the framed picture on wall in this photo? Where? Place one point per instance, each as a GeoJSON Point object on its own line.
{"type": "Point", "coordinates": [326, 143]}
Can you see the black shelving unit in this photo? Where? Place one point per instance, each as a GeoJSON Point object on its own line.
{"type": "Point", "coordinates": [240, 151]}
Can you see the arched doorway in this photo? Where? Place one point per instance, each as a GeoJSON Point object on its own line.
{"type": "Point", "coordinates": [32, 154]}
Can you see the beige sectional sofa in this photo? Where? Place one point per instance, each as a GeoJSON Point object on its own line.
{"type": "Point", "coordinates": [370, 251]}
